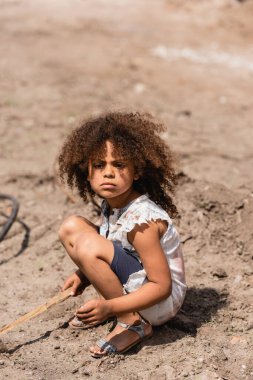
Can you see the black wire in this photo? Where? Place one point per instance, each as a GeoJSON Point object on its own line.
{"type": "Point", "coordinates": [24, 243]}
{"type": "Point", "coordinates": [12, 217]}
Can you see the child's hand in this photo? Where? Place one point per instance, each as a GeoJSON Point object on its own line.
{"type": "Point", "coordinates": [76, 282]}
{"type": "Point", "coordinates": [94, 311]}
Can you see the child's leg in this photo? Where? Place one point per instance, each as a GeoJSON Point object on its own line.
{"type": "Point", "coordinates": [93, 254]}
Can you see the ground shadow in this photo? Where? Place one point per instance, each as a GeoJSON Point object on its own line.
{"type": "Point", "coordinates": [40, 338]}
{"type": "Point", "coordinates": [200, 305]}
{"type": "Point", "coordinates": [47, 334]}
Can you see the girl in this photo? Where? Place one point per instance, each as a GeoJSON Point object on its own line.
{"type": "Point", "coordinates": [134, 258]}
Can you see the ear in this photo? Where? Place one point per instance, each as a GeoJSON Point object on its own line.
{"type": "Point", "coordinates": [136, 177]}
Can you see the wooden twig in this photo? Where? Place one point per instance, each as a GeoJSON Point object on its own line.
{"type": "Point", "coordinates": [62, 296]}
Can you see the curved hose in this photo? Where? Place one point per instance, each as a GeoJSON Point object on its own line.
{"type": "Point", "coordinates": [12, 217]}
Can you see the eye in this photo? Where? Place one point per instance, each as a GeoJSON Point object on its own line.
{"type": "Point", "coordinates": [98, 165]}
{"type": "Point", "coordinates": [119, 165]}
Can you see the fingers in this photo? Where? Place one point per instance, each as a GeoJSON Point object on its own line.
{"type": "Point", "coordinates": [67, 285]}
{"type": "Point", "coordinates": [75, 290]}
{"type": "Point", "coordinates": [88, 310]}
{"type": "Point", "coordinates": [89, 318]}
{"type": "Point", "coordinates": [85, 313]}
{"type": "Point", "coordinates": [85, 309]}
{"type": "Point", "coordinates": [91, 321]}
{"type": "Point", "coordinates": [74, 282]}
{"type": "Point", "coordinates": [89, 306]}
{"type": "Point", "coordinates": [92, 312]}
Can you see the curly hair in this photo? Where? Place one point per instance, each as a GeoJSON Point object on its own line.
{"type": "Point", "coordinates": [134, 136]}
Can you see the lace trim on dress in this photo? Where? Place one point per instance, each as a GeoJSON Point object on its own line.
{"type": "Point", "coordinates": [142, 215]}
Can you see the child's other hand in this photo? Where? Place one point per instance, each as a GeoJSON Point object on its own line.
{"type": "Point", "coordinates": [76, 282]}
{"type": "Point", "coordinates": [94, 311]}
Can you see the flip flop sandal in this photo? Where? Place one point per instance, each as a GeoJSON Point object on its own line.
{"type": "Point", "coordinates": [110, 349]}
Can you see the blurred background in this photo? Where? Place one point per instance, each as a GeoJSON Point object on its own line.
{"type": "Point", "coordinates": [188, 62]}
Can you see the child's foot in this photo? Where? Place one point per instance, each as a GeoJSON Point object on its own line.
{"type": "Point", "coordinates": [122, 338]}
{"type": "Point", "coordinates": [77, 324]}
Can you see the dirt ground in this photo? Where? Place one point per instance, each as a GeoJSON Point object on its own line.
{"type": "Point", "coordinates": [190, 64]}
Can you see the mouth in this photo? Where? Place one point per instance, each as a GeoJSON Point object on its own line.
{"type": "Point", "coordinates": [107, 185]}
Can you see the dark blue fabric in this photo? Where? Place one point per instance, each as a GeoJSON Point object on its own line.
{"type": "Point", "coordinates": [123, 263]}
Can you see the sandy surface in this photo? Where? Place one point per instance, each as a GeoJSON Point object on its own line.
{"type": "Point", "coordinates": [191, 65]}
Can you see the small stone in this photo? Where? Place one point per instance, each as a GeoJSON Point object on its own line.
{"type": "Point", "coordinates": [220, 273]}
{"type": "Point", "coordinates": [223, 356]}
{"type": "Point", "coordinates": [170, 372]}
{"type": "Point", "coordinates": [3, 347]}
{"type": "Point", "coordinates": [57, 347]}
{"type": "Point", "coordinates": [238, 340]}
{"type": "Point", "coordinates": [139, 88]}
{"type": "Point", "coordinates": [238, 279]}
{"type": "Point", "coordinates": [55, 335]}
{"type": "Point", "coordinates": [187, 113]}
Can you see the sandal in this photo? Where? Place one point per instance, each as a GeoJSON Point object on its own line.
{"type": "Point", "coordinates": [110, 348]}
{"type": "Point", "coordinates": [77, 324]}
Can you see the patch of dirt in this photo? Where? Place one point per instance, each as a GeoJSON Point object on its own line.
{"type": "Point", "coordinates": [190, 65]}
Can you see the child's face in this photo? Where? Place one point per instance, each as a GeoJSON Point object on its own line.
{"type": "Point", "coordinates": [111, 177]}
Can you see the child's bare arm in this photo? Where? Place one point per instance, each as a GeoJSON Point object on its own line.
{"type": "Point", "coordinates": [146, 240]}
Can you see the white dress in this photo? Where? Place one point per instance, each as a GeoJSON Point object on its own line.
{"type": "Point", "coordinates": [119, 223]}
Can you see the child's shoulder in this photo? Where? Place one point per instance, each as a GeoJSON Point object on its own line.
{"type": "Point", "coordinates": [142, 210]}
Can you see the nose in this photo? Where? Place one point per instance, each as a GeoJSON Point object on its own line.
{"type": "Point", "coordinates": [109, 171]}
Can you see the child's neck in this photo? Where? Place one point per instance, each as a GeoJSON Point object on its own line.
{"type": "Point", "coordinates": [123, 199]}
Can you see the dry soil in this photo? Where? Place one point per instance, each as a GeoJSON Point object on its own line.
{"type": "Point", "coordinates": [190, 64]}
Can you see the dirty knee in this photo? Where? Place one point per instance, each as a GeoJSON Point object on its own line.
{"type": "Point", "coordinates": [69, 227]}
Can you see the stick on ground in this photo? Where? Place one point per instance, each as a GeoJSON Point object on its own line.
{"type": "Point", "coordinates": [62, 296]}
